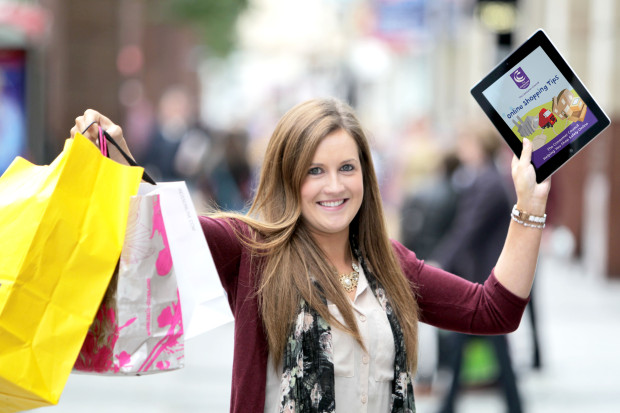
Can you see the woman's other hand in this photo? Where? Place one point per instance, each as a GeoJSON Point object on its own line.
{"type": "Point", "coordinates": [90, 119]}
{"type": "Point", "coordinates": [531, 196]}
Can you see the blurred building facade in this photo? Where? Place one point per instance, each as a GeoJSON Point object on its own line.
{"type": "Point", "coordinates": [406, 65]}
{"type": "Point", "coordinates": [114, 56]}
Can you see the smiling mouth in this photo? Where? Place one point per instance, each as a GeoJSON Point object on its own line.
{"type": "Point", "coordinates": [332, 203]}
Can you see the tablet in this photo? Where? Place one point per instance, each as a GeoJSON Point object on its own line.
{"type": "Point", "coordinates": [534, 94]}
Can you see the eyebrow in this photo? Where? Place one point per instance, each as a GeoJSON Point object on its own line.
{"type": "Point", "coordinates": [343, 162]}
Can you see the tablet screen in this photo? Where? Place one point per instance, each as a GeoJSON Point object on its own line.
{"type": "Point", "coordinates": [543, 107]}
{"type": "Point", "coordinates": [534, 94]}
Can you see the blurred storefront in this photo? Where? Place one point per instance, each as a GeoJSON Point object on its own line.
{"type": "Point", "coordinates": [587, 190]}
{"type": "Point", "coordinates": [22, 29]}
{"type": "Point", "coordinates": [117, 57]}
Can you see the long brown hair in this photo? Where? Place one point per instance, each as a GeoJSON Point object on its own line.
{"type": "Point", "coordinates": [293, 261]}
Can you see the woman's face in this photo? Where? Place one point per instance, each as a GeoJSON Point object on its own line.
{"type": "Point", "coordinates": [332, 191]}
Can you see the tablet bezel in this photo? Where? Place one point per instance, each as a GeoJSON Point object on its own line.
{"type": "Point", "coordinates": [540, 39]}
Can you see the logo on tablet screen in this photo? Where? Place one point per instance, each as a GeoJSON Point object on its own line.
{"type": "Point", "coordinates": [520, 78]}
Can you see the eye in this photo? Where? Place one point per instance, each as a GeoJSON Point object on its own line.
{"type": "Point", "coordinates": [347, 168]}
{"type": "Point", "coordinates": [314, 171]}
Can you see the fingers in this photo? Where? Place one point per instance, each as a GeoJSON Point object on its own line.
{"type": "Point", "coordinates": [522, 167]}
{"type": "Point", "coordinates": [88, 121]}
{"type": "Point", "coordinates": [74, 130]}
{"type": "Point", "coordinates": [531, 197]}
{"type": "Point", "coordinates": [115, 131]}
{"type": "Point", "coordinates": [526, 153]}
{"type": "Point", "coordinates": [87, 126]}
{"type": "Point", "coordinates": [514, 163]}
{"type": "Point", "coordinates": [92, 116]}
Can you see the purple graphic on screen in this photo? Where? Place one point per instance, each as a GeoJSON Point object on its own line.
{"type": "Point", "coordinates": [520, 78]}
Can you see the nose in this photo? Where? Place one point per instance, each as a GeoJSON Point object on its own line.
{"type": "Point", "coordinates": [334, 184]}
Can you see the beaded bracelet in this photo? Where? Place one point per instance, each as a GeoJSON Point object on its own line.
{"type": "Point", "coordinates": [527, 219]}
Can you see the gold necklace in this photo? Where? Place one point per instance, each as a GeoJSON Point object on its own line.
{"type": "Point", "coordinates": [349, 281]}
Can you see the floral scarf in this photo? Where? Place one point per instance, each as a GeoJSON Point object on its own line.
{"type": "Point", "coordinates": [307, 383]}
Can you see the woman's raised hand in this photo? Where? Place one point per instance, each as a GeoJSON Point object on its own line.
{"type": "Point", "coordinates": [531, 196]}
{"type": "Point", "coordinates": [90, 119]}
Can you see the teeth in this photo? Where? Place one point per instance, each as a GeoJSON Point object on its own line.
{"type": "Point", "coordinates": [332, 203]}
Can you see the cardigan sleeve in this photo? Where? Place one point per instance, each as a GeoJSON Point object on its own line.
{"type": "Point", "coordinates": [235, 269]}
{"type": "Point", "coordinates": [450, 302]}
{"type": "Point", "coordinates": [226, 251]}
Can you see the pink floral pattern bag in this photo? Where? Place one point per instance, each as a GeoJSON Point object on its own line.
{"type": "Point", "coordinates": [138, 328]}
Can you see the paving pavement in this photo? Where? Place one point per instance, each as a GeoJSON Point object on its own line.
{"type": "Point", "coordinates": [579, 323]}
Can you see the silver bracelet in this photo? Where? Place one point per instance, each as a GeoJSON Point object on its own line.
{"type": "Point", "coordinates": [527, 219]}
{"type": "Point", "coordinates": [527, 224]}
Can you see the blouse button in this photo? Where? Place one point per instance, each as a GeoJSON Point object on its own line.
{"type": "Point", "coordinates": [364, 398]}
{"type": "Point", "coordinates": [365, 359]}
{"type": "Point", "coordinates": [362, 318]}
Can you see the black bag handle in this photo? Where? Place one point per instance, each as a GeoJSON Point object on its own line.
{"type": "Point", "coordinates": [129, 159]}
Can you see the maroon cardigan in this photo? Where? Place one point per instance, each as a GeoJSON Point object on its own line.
{"type": "Point", "coordinates": [446, 301]}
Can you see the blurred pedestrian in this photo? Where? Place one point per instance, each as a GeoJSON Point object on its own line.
{"type": "Point", "coordinates": [472, 246]}
{"type": "Point", "coordinates": [427, 213]}
{"type": "Point", "coordinates": [179, 143]}
{"type": "Point", "coordinates": [326, 306]}
{"type": "Point", "coordinates": [425, 217]}
{"type": "Point", "coordinates": [230, 177]}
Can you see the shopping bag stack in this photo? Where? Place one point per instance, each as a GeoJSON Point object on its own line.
{"type": "Point", "coordinates": [139, 326]}
{"type": "Point", "coordinates": [62, 228]}
{"type": "Point", "coordinates": [165, 290]}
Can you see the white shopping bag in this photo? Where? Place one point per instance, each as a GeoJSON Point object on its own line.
{"type": "Point", "coordinates": [203, 300]}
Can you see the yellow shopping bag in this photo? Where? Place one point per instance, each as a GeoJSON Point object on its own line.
{"type": "Point", "coordinates": [61, 232]}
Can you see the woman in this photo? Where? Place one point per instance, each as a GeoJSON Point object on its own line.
{"type": "Point", "coordinates": [326, 306]}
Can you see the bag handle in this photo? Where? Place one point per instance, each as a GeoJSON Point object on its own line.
{"type": "Point", "coordinates": [103, 143]}
{"type": "Point", "coordinates": [104, 138]}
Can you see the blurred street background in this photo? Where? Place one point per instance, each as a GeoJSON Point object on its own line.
{"type": "Point", "coordinates": [198, 87]}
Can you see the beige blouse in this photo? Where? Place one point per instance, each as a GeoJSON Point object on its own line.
{"type": "Point", "coordinates": [362, 380]}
